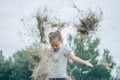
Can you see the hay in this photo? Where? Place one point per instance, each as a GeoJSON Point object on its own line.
{"type": "Point", "coordinates": [68, 78]}
{"type": "Point", "coordinates": [105, 63]}
{"type": "Point", "coordinates": [41, 20]}
{"type": "Point", "coordinates": [88, 24]}
{"type": "Point", "coordinates": [43, 63]}
{"type": "Point", "coordinates": [58, 25]}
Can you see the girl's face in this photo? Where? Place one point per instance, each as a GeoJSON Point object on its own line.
{"type": "Point", "coordinates": [56, 44]}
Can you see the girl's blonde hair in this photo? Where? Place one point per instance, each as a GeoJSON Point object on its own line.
{"type": "Point", "coordinates": [55, 36]}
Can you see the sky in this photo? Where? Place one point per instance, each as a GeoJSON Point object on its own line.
{"type": "Point", "coordinates": [11, 11]}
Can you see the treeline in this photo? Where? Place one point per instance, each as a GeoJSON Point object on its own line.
{"type": "Point", "coordinates": [15, 68]}
{"type": "Point", "coordinates": [19, 66]}
{"type": "Point", "coordinates": [88, 50]}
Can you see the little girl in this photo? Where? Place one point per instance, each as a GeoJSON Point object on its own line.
{"type": "Point", "coordinates": [59, 56]}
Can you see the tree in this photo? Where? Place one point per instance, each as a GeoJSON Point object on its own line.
{"type": "Point", "coordinates": [1, 57]}
{"type": "Point", "coordinates": [21, 67]}
{"type": "Point", "coordinates": [88, 49]}
{"type": "Point", "coordinates": [6, 68]}
{"type": "Point", "coordinates": [17, 67]}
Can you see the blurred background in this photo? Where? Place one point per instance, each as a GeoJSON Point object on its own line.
{"type": "Point", "coordinates": [12, 11]}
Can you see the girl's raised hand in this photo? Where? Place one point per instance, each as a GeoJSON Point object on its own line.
{"type": "Point", "coordinates": [87, 62]}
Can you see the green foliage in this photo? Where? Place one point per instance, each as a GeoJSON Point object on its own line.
{"type": "Point", "coordinates": [98, 73]}
{"type": "Point", "coordinates": [88, 49]}
{"type": "Point", "coordinates": [21, 66]}
{"type": "Point", "coordinates": [17, 68]}
{"type": "Point", "coordinates": [5, 68]}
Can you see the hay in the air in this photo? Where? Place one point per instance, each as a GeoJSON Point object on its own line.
{"type": "Point", "coordinates": [88, 24]}
{"type": "Point", "coordinates": [41, 20]}
{"type": "Point", "coordinates": [43, 63]}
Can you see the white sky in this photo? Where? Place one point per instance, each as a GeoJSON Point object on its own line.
{"type": "Point", "coordinates": [11, 11]}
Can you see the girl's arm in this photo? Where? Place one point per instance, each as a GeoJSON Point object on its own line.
{"type": "Point", "coordinates": [77, 59]}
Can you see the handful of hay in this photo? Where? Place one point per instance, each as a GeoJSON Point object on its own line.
{"type": "Point", "coordinates": [41, 20]}
{"type": "Point", "coordinates": [43, 63]}
{"type": "Point", "coordinates": [89, 23]}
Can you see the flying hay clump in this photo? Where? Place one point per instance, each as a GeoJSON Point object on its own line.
{"type": "Point", "coordinates": [42, 62]}
{"type": "Point", "coordinates": [41, 20]}
{"type": "Point", "coordinates": [88, 24]}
